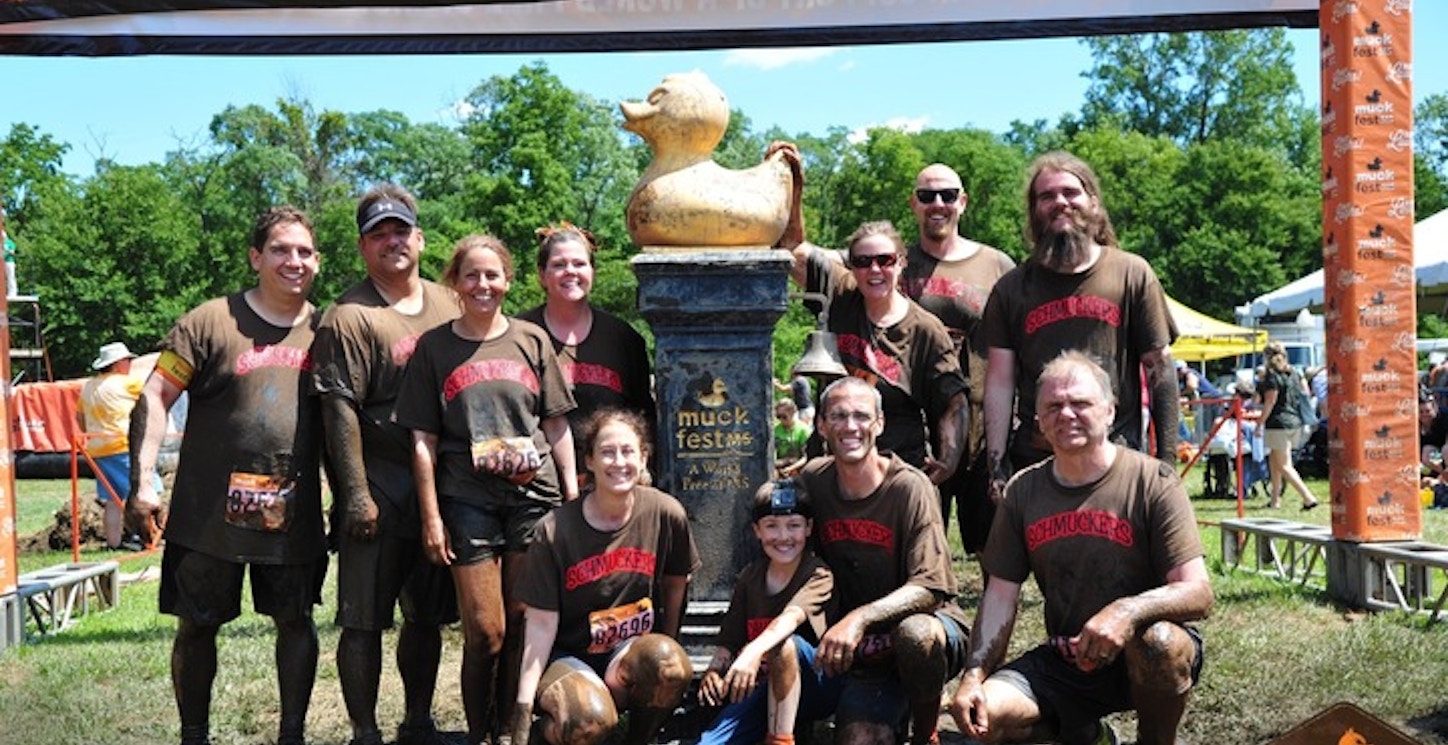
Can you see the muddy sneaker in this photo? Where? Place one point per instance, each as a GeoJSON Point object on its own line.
{"type": "Point", "coordinates": [424, 733]}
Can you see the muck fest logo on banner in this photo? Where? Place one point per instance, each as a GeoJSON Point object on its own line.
{"type": "Point", "coordinates": [1367, 190]}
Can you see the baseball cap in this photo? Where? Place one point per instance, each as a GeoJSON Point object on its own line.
{"type": "Point", "coordinates": [385, 209]}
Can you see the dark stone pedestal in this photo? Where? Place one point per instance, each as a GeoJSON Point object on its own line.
{"type": "Point", "coordinates": [713, 316]}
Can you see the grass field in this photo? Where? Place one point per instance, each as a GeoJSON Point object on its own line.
{"type": "Point", "coordinates": [1277, 654]}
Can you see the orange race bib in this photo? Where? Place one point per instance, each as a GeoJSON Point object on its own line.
{"type": "Point", "coordinates": [260, 502]}
{"type": "Point", "coordinates": [513, 458]}
{"type": "Point", "coordinates": [609, 628]}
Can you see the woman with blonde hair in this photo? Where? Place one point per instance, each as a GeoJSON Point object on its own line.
{"type": "Point", "coordinates": [1282, 390]}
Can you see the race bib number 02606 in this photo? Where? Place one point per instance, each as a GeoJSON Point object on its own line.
{"type": "Point", "coordinates": [609, 628]}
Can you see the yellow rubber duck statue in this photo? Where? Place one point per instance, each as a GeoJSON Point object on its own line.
{"type": "Point", "coordinates": [685, 200]}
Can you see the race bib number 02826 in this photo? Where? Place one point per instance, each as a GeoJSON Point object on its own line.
{"type": "Point", "coordinates": [609, 628]}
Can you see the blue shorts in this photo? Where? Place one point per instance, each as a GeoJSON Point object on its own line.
{"type": "Point", "coordinates": [116, 471]}
{"type": "Point", "coordinates": [744, 723]}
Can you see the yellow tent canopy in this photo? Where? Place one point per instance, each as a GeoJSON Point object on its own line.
{"type": "Point", "coordinates": [1205, 338]}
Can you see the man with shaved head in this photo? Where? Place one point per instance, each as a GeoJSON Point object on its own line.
{"type": "Point", "coordinates": [951, 276]}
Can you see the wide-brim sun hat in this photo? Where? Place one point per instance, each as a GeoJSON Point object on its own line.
{"type": "Point", "coordinates": [112, 353]}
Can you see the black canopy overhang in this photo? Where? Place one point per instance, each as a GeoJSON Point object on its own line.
{"type": "Point", "coordinates": [109, 28]}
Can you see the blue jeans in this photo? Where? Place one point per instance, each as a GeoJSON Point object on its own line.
{"type": "Point", "coordinates": [745, 723]}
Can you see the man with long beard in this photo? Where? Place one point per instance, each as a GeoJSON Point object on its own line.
{"type": "Point", "coordinates": [1078, 290]}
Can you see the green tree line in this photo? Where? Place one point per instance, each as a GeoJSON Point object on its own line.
{"type": "Point", "coordinates": [1209, 157]}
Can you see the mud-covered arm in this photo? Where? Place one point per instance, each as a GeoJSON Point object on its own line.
{"type": "Point", "coordinates": [1161, 380]}
{"type": "Point", "coordinates": [343, 436]}
{"type": "Point", "coordinates": [148, 431]}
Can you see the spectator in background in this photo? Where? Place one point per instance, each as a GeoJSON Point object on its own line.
{"type": "Point", "coordinates": [1283, 391]}
{"type": "Point", "coordinates": [1432, 433]}
{"type": "Point", "coordinates": [802, 397]}
{"type": "Point", "coordinates": [106, 401]}
{"type": "Point", "coordinates": [11, 288]}
{"type": "Point", "coordinates": [1437, 370]}
{"type": "Point", "coordinates": [1317, 383]}
{"type": "Point", "coordinates": [789, 439]}
{"type": "Point", "coordinates": [1195, 387]}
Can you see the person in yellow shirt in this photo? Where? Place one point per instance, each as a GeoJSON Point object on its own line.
{"type": "Point", "coordinates": [106, 401]}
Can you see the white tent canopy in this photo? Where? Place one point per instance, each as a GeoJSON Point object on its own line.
{"type": "Point", "coordinates": [1430, 262]}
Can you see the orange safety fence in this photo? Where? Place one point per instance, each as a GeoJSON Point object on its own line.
{"type": "Point", "coordinates": [77, 451]}
{"type": "Point", "coordinates": [44, 415]}
{"type": "Point", "coordinates": [1236, 414]}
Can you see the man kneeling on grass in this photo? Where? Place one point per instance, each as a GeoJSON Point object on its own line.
{"type": "Point", "coordinates": [1110, 535]}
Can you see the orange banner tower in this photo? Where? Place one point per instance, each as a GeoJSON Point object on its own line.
{"type": "Point", "coordinates": [9, 572]}
{"type": "Point", "coordinates": [1367, 189]}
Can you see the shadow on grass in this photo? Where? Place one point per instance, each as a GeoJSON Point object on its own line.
{"type": "Point", "coordinates": [76, 637]}
{"type": "Point", "coordinates": [1434, 721]}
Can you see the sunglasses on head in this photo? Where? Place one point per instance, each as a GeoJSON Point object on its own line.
{"type": "Point", "coordinates": [863, 261]}
{"type": "Point", "coordinates": [927, 196]}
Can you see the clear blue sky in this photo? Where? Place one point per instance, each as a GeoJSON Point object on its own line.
{"type": "Point", "coordinates": [135, 109]}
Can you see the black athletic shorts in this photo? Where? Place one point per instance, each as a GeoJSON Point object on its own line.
{"type": "Point", "coordinates": [374, 576]}
{"type": "Point", "coordinates": [206, 590]}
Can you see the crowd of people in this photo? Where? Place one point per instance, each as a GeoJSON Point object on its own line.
{"type": "Point", "coordinates": [1279, 411]}
{"type": "Point", "coordinates": [494, 471]}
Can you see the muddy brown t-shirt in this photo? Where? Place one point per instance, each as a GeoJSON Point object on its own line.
{"type": "Point", "coordinates": [1089, 545]}
{"type": "Point", "coordinates": [361, 350]}
{"type": "Point", "coordinates": [609, 369]}
{"type": "Point", "coordinates": [606, 586]}
{"type": "Point", "coordinates": [1116, 311]}
{"type": "Point", "coordinates": [248, 486]}
{"type": "Point", "coordinates": [752, 607]}
{"type": "Point", "coordinates": [878, 544]}
{"type": "Point", "coordinates": [486, 401]}
{"type": "Point", "coordinates": [912, 364]}
{"type": "Point", "coordinates": [956, 292]}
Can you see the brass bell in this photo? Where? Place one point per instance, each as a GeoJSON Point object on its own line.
{"type": "Point", "coordinates": [821, 357]}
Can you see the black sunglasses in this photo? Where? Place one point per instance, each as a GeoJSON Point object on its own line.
{"type": "Point", "coordinates": [863, 261]}
{"type": "Point", "coordinates": [927, 196]}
